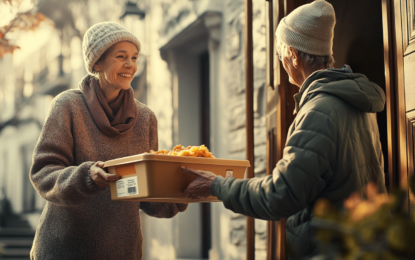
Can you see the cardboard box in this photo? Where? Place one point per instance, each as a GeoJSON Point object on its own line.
{"type": "Point", "coordinates": [159, 178]}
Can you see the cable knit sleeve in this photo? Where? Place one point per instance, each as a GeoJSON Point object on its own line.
{"type": "Point", "coordinates": [53, 173]}
{"type": "Point", "coordinates": [158, 209]}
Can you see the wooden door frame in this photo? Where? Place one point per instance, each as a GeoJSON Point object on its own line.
{"type": "Point", "coordinates": [398, 88]}
{"type": "Point", "coordinates": [249, 90]}
{"type": "Point", "coordinates": [281, 116]}
{"type": "Point", "coordinates": [388, 47]}
{"type": "Point", "coordinates": [397, 44]}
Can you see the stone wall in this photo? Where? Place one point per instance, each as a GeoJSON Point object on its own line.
{"type": "Point", "coordinates": [235, 25]}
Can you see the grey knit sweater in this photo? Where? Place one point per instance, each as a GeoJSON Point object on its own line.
{"type": "Point", "coordinates": [80, 221]}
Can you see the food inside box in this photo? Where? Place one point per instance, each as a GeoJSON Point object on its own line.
{"type": "Point", "coordinates": [158, 177]}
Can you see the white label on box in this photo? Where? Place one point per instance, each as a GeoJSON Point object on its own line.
{"type": "Point", "coordinates": [229, 173]}
{"type": "Point", "coordinates": [127, 187]}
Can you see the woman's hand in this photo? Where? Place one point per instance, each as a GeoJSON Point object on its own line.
{"type": "Point", "coordinates": [100, 177]}
{"type": "Point", "coordinates": [200, 187]}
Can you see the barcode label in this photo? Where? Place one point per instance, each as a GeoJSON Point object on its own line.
{"type": "Point", "coordinates": [127, 187]}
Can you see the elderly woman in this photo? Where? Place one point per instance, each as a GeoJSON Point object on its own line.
{"type": "Point", "coordinates": [98, 122]}
{"type": "Point", "coordinates": [333, 146]}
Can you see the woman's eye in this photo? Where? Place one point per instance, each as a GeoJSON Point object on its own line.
{"type": "Point", "coordinates": [120, 56]}
{"type": "Point", "coordinates": [134, 58]}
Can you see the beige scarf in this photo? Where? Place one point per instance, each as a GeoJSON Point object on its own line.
{"type": "Point", "coordinates": [112, 119]}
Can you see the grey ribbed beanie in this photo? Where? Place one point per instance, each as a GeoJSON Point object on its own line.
{"type": "Point", "coordinates": [309, 28]}
{"type": "Point", "coordinates": [101, 36]}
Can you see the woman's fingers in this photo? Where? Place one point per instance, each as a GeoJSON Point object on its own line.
{"type": "Point", "coordinates": [108, 176]}
{"type": "Point", "coordinates": [100, 164]}
{"type": "Point", "coordinates": [100, 181]}
{"type": "Point", "coordinates": [100, 176]}
{"type": "Point", "coordinates": [104, 179]}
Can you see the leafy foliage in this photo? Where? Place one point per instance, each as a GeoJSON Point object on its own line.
{"type": "Point", "coordinates": [26, 21]}
{"type": "Point", "coordinates": [374, 228]}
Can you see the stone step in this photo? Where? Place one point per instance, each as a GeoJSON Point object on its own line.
{"type": "Point", "coordinates": [15, 258]}
{"type": "Point", "coordinates": [16, 243]}
{"type": "Point", "coordinates": [16, 247]}
{"type": "Point", "coordinates": [14, 253]}
{"type": "Point", "coordinates": [15, 222]}
{"type": "Point", "coordinates": [17, 233]}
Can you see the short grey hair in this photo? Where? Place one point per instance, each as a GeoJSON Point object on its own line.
{"type": "Point", "coordinates": [314, 61]}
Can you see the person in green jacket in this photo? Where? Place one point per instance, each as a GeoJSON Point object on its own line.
{"type": "Point", "coordinates": [333, 147]}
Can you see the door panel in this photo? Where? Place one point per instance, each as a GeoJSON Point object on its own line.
{"type": "Point", "coordinates": [403, 53]}
{"type": "Point", "coordinates": [409, 72]}
{"type": "Point", "coordinates": [411, 154]}
{"type": "Point", "coordinates": [408, 35]}
{"type": "Point", "coordinates": [408, 25]}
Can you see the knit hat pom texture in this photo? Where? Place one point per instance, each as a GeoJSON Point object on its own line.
{"type": "Point", "coordinates": [309, 28]}
{"type": "Point", "coordinates": [100, 37]}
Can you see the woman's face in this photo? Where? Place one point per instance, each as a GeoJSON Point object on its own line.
{"type": "Point", "coordinates": [117, 69]}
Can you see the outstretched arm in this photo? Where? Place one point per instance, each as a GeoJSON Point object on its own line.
{"type": "Point", "coordinates": [297, 180]}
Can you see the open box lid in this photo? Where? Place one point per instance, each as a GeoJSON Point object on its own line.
{"type": "Point", "coordinates": [173, 158]}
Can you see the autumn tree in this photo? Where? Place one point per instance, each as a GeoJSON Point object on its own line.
{"type": "Point", "coordinates": [23, 21]}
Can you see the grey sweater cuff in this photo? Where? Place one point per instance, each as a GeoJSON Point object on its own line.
{"type": "Point", "coordinates": [90, 184]}
{"type": "Point", "coordinates": [215, 185]}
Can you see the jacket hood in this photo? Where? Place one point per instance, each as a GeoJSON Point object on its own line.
{"type": "Point", "coordinates": [353, 88]}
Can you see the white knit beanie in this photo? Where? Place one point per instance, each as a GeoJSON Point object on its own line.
{"type": "Point", "coordinates": [100, 37]}
{"type": "Point", "coordinates": [309, 28]}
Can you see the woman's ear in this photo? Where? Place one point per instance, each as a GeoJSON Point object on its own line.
{"type": "Point", "coordinates": [97, 67]}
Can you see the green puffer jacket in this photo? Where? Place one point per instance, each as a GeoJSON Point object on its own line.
{"type": "Point", "coordinates": [332, 149]}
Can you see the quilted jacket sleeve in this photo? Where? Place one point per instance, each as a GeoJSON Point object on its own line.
{"type": "Point", "coordinates": [298, 178]}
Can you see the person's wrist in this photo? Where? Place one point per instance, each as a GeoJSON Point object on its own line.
{"type": "Point", "coordinates": [214, 184]}
{"type": "Point", "coordinates": [212, 177]}
{"type": "Point", "coordinates": [89, 181]}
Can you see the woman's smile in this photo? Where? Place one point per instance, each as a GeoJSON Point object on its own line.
{"type": "Point", "coordinates": [125, 75]}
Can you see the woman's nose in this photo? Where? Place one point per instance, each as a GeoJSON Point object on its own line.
{"type": "Point", "coordinates": [129, 63]}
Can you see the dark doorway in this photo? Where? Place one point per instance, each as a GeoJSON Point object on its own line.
{"type": "Point", "coordinates": [358, 42]}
